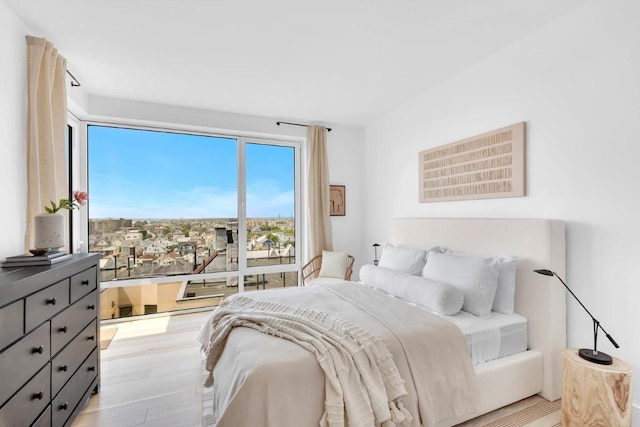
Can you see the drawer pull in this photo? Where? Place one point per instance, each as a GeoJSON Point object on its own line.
{"type": "Point", "coordinates": [91, 307]}
{"type": "Point", "coordinates": [51, 301]}
{"type": "Point", "coordinates": [85, 283]}
{"type": "Point", "coordinates": [64, 406]}
{"type": "Point", "coordinates": [63, 329]}
{"type": "Point", "coordinates": [39, 395]}
{"type": "Point", "coordinates": [91, 337]}
{"type": "Point", "coordinates": [91, 368]}
{"type": "Point", "coordinates": [64, 368]}
{"type": "Point", "coordinates": [39, 350]}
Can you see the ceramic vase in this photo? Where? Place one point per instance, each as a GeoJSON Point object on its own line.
{"type": "Point", "coordinates": [48, 232]}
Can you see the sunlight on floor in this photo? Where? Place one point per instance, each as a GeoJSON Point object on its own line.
{"type": "Point", "coordinates": [140, 328]}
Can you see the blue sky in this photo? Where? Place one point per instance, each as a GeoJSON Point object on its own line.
{"type": "Point", "coordinates": [149, 174]}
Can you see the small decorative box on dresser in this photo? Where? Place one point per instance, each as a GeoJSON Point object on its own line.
{"type": "Point", "coordinates": [49, 341]}
{"type": "Point", "coordinates": [593, 394]}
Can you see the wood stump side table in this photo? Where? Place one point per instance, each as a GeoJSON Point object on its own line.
{"type": "Point", "coordinates": [595, 395]}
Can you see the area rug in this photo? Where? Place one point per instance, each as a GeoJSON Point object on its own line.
{"type": "Point", "coordinates": [535, 412]}
{"type": "Point", "coordinates": [106, 335]}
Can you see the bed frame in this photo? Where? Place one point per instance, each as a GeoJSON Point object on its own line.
{"type": "Point", "coordinates": [538, 243]}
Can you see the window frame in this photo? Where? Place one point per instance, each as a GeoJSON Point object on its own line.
{"type": "Point", "coordinates": [80, 222]}
{"type": "Point", "coordinates": [75, 182]}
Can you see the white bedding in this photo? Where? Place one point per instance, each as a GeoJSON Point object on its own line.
{"type": "Point", "coordinates": [498, 336]}
{"type": "Point", "coordinates": [259, 380]}
{"type": "Point", "coordinates": [362, 383]}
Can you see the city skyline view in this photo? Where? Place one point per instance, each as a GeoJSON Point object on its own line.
{"type": "Point", "coordinates": [132, 250]}
{"type": "Point", "coordinates": [152, 248]}
{"type": "Point", "coordinates": [146, 174]}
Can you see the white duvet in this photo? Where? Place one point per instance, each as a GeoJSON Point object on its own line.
{"type": "Point", "coordinates": [261, 380]}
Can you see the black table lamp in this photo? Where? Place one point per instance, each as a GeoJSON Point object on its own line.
{"type": "Point", "coordinates": [594, 355]}
{"type": "Point", "coordinates": [375, 253]}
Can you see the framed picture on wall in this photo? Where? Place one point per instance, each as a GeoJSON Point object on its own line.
{"type": "Point", "coordinates": [337, 200]}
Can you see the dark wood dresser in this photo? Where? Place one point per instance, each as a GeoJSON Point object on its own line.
{"type": "Point", "coordinates": [49, 341]}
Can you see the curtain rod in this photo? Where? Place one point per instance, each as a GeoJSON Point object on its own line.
{"type": "Point", "coordinates": [297, 124]}
{"type": "Point", "coordinates": [74, 81]}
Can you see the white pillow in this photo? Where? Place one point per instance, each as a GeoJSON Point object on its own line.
{"type": "Point", "coordinates": [334, 264]}
{"type": "Point", "coordinates": [504, 301]}
{"type": "Point", "coordinates": [475, 276]}
{"type": "Point", "coordinates": [437, 296]}
{"type": "Point", "coordinates": [401, 258]}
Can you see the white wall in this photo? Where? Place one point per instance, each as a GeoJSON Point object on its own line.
{"type": "Point", "coordinates": [13, 106]}
{"type": "Point", "coordinates": [576, 82]}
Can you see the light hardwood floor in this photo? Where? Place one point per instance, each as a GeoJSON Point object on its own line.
{"type": "Point", "coordinates": [534, 411]}
{"type": "Point", "coordinates": [151, 375]}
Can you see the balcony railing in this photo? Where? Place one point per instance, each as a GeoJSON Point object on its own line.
{"type": "Point", "coordinates": [150, 298]}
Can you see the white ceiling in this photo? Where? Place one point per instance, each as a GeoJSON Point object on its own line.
{"type": "Point", "coordinates": [330, 61]}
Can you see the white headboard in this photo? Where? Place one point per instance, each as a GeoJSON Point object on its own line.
{"type": "Point", "coordinates": [538, 243]}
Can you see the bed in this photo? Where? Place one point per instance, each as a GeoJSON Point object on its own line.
{"type": "Point", "coordinates": [264, 381]}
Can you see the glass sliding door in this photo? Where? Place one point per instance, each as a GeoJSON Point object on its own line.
{"type": "Point", "coordinates": [182, 220]}
{"type": "Point", "coordinates": [271, 207]}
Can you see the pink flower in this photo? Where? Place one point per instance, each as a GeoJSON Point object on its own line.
{"type": "Point", "coordinates": [81, 197]}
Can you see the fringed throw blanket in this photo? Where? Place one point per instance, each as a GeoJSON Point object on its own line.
{"type": "Point", "coordinates": [361, 377]}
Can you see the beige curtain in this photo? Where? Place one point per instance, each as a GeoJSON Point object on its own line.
{"type": "Point", "coordinates": [46, 129]}
{"type": "Point", "coordinates": [320, 236]}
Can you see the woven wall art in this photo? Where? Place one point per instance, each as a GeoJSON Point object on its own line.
{"type": "Point", "coordinates": [490, 165]}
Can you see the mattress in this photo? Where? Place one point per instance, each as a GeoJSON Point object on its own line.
{"type": "Point", "coordinates": [500, 335]}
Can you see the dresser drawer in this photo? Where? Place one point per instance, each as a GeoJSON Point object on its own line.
{"type": "Point", "coordinates": [28, 402]}
{"type": "Point", "coordinates": [83, 283]}
{"type": "Point", "coordinates": [45, 419]}
{"type": "Point", "coordinates": [67, 324]}
{"type": "Point", "coordinates": [11, 323]}
{"type": "Point", "coordinates": [64, 365]}
{"type": "Point", "coordinates": [46, 303]}
{"type": "Point", "coordinates": [22, 360]}
{"type": "Point", "coordinates": [64, 404]}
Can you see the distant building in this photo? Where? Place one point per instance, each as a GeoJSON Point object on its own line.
{"type": "Point", "coordinates": [108, 225]}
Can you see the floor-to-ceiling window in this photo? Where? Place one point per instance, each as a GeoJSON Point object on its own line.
{"type": "Point", "coordinates": [183, 219]}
